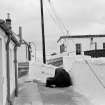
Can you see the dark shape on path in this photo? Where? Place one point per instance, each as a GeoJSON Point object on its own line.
{"type": "Point", "coordinates": [61, 79]}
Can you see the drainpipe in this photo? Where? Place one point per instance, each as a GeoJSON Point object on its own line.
{"type": "Point", "coordinates": [20, 34]}
{"type": "Point", "coordinates": [8, 71]}
{"type": "Point", "coordinates": [16, 70]}
{"type": "Point", "coordinates": [15, 61]}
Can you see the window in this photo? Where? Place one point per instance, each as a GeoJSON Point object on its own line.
{"type": "Point", "coordinates": [62, 48]}
{"type": "Point", "coordinates": [95, 45]}
{"type": "Point", "coordinates": [104, 46]}
{"type": "Point", "coordinates": [78, 49]}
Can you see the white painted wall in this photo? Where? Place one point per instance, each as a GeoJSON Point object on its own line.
{"type": "Point", "coordinates": [1, 74]}
{"type": "Point", "coordinates": [3, 90]}
{"type": "Point", "coordinates": [22, 57]}
{"type": "Point", "coordinates": [3, 68]}
{"type": "Point", "coordinates": [4, 72]}
{"type": "Point", "coordinates": [3, 78]}
{"type": "Point", "coordinates": [85, 42]}
{"type": "Point", "coordinates": [12, 69]}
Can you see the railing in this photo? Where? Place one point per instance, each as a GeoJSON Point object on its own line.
{"type": "Point", "coordinates": [95, 53]}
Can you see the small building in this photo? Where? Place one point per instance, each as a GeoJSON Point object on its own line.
{"type": "Point", "coordinates": [23, 52]}
{"type": "Point", "coordinates": [8, 62]}
{"type": "Point", "coordinates": [24, 56]}
{"type": "Point", "coordinates": [79, 44]}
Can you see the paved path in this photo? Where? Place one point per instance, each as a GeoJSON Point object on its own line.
{"type": "Point", "coordinates": [28, 95]}
{"type": "Point", "coordinates": [62, 96]}
{"type": "Point", "coordinates": [34, 93]}
{"type": "Point", "coordinates": [31, 93]}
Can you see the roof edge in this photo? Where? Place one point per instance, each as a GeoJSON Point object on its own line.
{"type": "Point", "coordinates": [8, 31]}
{"type": "Point", "coordinates": [80, 36]}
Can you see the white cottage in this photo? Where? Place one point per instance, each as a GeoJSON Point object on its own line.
{"type": "Point", "coordinates": [24, 56]}
{"type": "Point", "coordinates": [8, 62]}
{"type": "Point", "coordinates": [23, 52]}
{"type": "Point", "coordinates": [78, 44]}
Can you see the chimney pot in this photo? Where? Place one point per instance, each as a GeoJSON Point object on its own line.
{"type": "Point", "coordinates": [8, 21]}
{"type": "Point", "coordinates": [20, 33]}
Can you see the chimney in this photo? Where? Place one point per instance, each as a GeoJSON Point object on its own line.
{"type": "Point", "coordinates": [20, 34]}
{"type": "Point", "coordinates": [8, 21]}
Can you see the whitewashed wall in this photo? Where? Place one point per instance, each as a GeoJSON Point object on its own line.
{"type": "Point", "coordinates": [12, 68]}
{"type": "Point", "coordinates": [85, 42]}
{"type": "Point", "coordinates": [4, 72]}
{"type": "Point", "coordinates": [3, 77]}
{"type": "Point", "coordinates": [3, 69]}
{"type": "Point", "coordinates": [1, 74]}
{"type": "Point", "coordinates": [22, 57]}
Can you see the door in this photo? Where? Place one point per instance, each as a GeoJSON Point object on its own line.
{"type": "Point", "coordinates": [78, 49]}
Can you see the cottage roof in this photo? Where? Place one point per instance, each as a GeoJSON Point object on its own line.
{"type": "Point", "coordinates": [80, 36]}
{"type": "Point", "coordinates": [8, 31]}
{"type": "Point", "coordinates": [4, 26]}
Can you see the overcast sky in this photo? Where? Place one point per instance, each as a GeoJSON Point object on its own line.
{"type": "Point", "coordinates": [79, 17]}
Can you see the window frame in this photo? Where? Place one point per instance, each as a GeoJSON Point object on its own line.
{"type": "Point", "coordinates": [78, 48]}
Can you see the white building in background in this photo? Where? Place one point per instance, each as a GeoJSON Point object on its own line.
{"type": "Point", "coordinates": [76, 45]}
{"type": "Point", "coordinates": [23, 56]}
{"type": "Point", "coordinates": [8, 62]}
{"type": "Point", "coordinates": [23, 52]}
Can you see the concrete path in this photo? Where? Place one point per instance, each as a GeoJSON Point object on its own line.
{"type": "Point", "coordinates": [35, 93]}
{"type": "Point", "coordinates": [31, 93]}
{"type": "Point", "coordinates": [28, 94]}
{"type": "Point", "coordinates": [62, 96]}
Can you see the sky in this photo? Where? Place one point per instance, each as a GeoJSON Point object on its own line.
{"type": "Point", "coordinates": [78, 16]}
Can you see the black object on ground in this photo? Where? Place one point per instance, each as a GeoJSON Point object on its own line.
{"type": "Point", "coordinates": [61, 79]}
